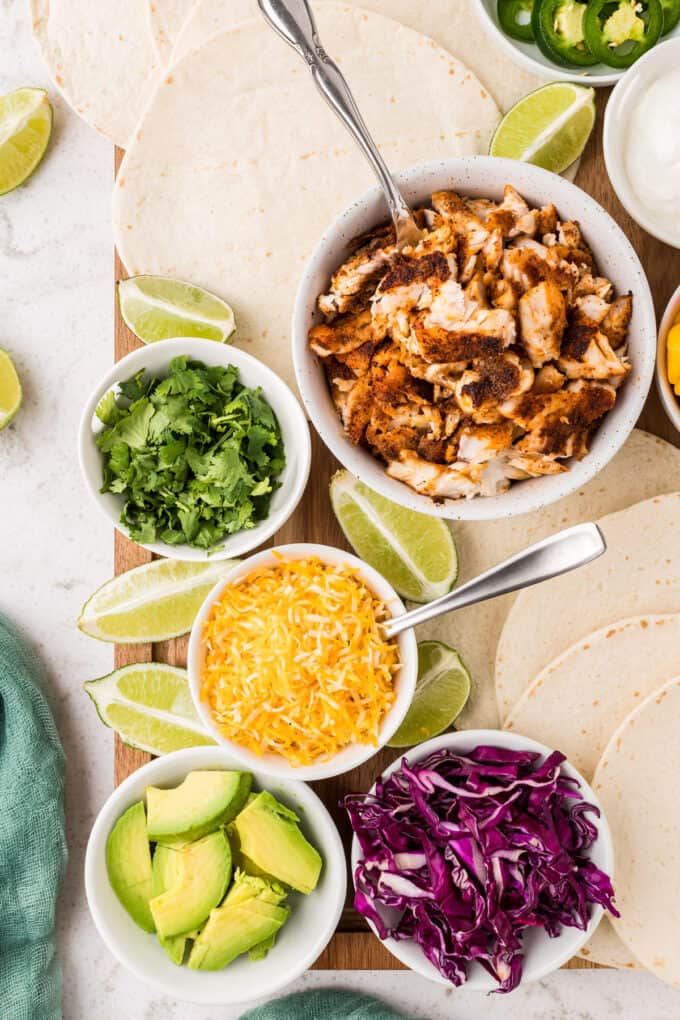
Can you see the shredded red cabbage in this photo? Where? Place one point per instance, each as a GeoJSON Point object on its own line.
{"type": "Point", "coordinates": [474, 849]}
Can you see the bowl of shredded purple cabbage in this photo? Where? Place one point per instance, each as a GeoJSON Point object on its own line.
{"type": "Point", "coordinates": [481, 858]}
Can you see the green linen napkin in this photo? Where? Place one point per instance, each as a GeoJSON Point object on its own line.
{"type": "Point", "coordinates": [325, 1004]}
{"type": "Point", "coordinates": [32, 842]}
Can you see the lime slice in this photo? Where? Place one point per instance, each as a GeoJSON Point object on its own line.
{"type": "Point", "coordinates": [25, 129]}
{"type": "Point", "coordinates": [441, 693]}
{"type": "Point", "coordinates": [154, 602]}
{"type": "Point", "coordinates": [10, 389]}
{"type": "Point", "coordinates": [549, 127]}
{"type": "Point", "coordinates": [150, 707]}
{"type": "Point", "coordinates": [414, 552]}
{"type": "Point", "coordinates": [157, 308]}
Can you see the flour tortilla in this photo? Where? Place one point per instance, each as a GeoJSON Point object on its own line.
{"type": "Point", "coordinates": [577, 702]}
{"type": "Point", "coordinates": [238, 165]}
{"type": "Point", "coordinates": [645, 466]}
{"type": "Point", "coordinates": [166, 19]}
{"type": "Point", "coordinates": [639, 573]}
{"type": "Point", "coordinates": [101, 57]}
{"type": "Point", "coordinates": [637, 784]}
{"type": "Point", "coordinates": [453, 24]}
{"type": "Point", "coordinates": [606, 948]}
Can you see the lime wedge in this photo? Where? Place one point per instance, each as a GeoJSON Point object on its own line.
{"type": "Point", "coordinates": [441, 693]}
{"type": "Point", "coordinates": [25, 129]}
{"type": "Point", "coordinates": [10, 389]}
{"type": "Point", "coordinates": [157, 308]}
{"type": "Point", "coordinates": [414, 552]}
{"type": "Point", "coordinates": [150, 707]}
{"type": "Point", "coordinates": [549, 127]}
{"type": "Point", "coordinates": [154, 602]}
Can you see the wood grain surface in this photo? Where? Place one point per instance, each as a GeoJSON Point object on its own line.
{"type": "Point", "coordinates": [354, 947]}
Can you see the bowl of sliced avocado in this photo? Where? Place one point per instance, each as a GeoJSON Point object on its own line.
{"type": "Point", "coordinates": [215, 884]}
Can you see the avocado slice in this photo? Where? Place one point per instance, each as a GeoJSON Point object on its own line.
{"type": "Point", "coordinates": [259, 951]}
{"type": "Point", "coordinates": [166, 872]}
{"type": "Point", "coordinates": [249, 918]}
{"type": "Point", "coordinates": [128, 862]}
{"type": "Point", "coordinates": [270, 837]}
{"type": "Point", "coordinates": [204, 874]}
{"type": "Point", "coordinates": [199, 805]}
{"type": "Point", "coordinates": [241, 862]}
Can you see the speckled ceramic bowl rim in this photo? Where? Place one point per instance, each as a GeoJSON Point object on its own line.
{"type": "Point", "coordinates": [405, 682]}
{"type": "Point", "coordinates": [616, 122]}
{"type": "Point", "coordinates": [616, 258]}
{"type": "Point", "coordinates": [294, 428]}
{"type": "Point", "coordinates": [670, 401]}
{"type": "Point", "coordinates": [550, 953]}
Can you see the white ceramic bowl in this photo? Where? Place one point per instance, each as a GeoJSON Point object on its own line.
{"type": "Point", "coordinates": [617, 119]}
{"type": "Point", "coordinates": [481, 176]}
{"type": "Point", "coordinates": [405, 679]}
{"type": "Point", "coordinates": [542, 955]}
{"type": "Point", "coordinates": [669, 399]}
{"type": "Point", "coordinates": [155, 358]}
{"type": "Point", "coordinates": [311, 924]}
{"type": "Point", "coordinates": [531, 58]}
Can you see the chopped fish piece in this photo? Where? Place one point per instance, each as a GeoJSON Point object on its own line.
{"type": "Point", "coordinates": [483, 389]}
{"type": "Point", "coordinates": [617, 320]}
{"type": "Point", "coordinates": [481, 443]}
{"type": "Point", "coordinates": [355, 277]}
{"type": "Point", "coordinates": [452, 481]}
{"type": "Point", "coordinates": [586, 354]}
{"type": "Point", "coordinates": [342, 335]}
{"type": "Point", "coordinates": [542, 319]}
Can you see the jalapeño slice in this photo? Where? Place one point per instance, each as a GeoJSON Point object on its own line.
{"type": "Point", "coordinates": [514, 17]}
{"type": "Point", "coordinates": [618, 32]}
{"type": "Point", "coordinates": [559, 31]}
{"type": "Point", "coordinates": [671, 15]}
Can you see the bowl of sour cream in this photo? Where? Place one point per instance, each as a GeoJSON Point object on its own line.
{"type": "Point", "coordinates": [642, 141]}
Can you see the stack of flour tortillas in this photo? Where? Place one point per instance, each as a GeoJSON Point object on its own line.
{"type": "Point", "coordinates": [234, 165]}
{"type": "Point", "coordinates": [589, 663]}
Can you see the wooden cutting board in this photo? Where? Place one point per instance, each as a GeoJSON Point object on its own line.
{"type": "Point", "coordinates": [354, 947]}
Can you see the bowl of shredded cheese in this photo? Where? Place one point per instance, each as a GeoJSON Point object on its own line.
{"type": "Point", "coordinates": [289, 667]}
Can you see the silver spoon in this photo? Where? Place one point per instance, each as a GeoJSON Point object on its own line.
{"type": "Point", "coordinates": [294, 22]}
{"type": "Point", "coordinates": [567, 550]}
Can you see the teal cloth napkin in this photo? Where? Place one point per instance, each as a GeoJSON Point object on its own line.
{"type": "Point", "coordinates": [325, 1004]}
{"type": "Point", "coordinates": [32, 842]}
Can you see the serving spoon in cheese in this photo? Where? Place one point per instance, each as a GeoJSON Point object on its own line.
{"type": "Point", "coordinates": [294, 22]}
{"type": "Point", "coordinates": [564, 551]}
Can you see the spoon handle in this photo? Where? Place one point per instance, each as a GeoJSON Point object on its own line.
{"type": "Point", "coordinates": [556, 555]}
{"type": "Point", "coordinates": [294, 22]}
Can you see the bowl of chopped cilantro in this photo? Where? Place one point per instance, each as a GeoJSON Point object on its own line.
{"type": "Point", "coordinates": [194, 450]}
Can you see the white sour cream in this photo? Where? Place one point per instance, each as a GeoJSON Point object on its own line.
{"type": "Point", "coordinates": [652, 151]}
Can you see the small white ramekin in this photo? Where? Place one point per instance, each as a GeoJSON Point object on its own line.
{"type": "Point", "coordinates": [669, 399]}
{"type": "Point", "coordinates": [542, 955]}
{"type": "Point", "coordinates": [405, 679]}
{"type": "Point", "coordinates": [303, 937]}
{"type": "Point", "coordinates": [665, 56]}
{"type": "Point", "coordinates": [155, 358]}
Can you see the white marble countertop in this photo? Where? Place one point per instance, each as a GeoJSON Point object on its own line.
{"type": "Point", "coordinates": [56, 274]}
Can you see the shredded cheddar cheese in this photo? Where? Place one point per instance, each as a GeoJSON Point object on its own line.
{"type": "Point", "coordinates": [296, 663]}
